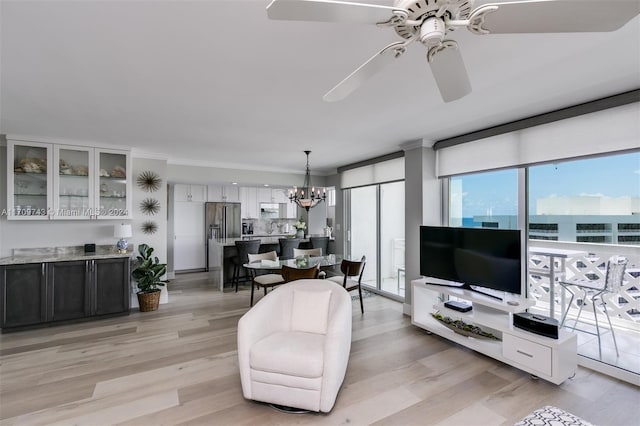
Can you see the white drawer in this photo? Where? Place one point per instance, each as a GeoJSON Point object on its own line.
{"type": "Point", "coordinates": [527, 353]}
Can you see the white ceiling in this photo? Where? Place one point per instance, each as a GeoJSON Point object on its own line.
{"type": "Point", "coordinates": [217, 82]}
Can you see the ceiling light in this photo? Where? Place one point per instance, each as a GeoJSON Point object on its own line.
{"type": "Point", "coordinates": [307, 197]}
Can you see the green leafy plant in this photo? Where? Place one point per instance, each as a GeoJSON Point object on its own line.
{"type": "Point", "coordinates": [148, 271]}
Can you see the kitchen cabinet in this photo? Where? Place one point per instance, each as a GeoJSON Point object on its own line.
{"type": "Point", "coordinates": [42, 293]}
{"type": "Point", "coordinates": [190, 193]}
{"type": "Point", "coordinates": [250, 206]}
{"type": "Point", "coordinates": [229, 193]}
{"type": "Point", "coordinates": [58, 182]}
{"type": "Point", "coordinates": [265, 195]}
{"type": "Point", "coordinates": [23, 290]}
{"type": "Point", "coordinates": [190, 237]}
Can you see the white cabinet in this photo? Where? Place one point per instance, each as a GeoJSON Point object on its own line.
{"type": "Point", "coordinates": [229, 193]}
{"type": "Point", "coordinates": [250, 206]}
{"type": "Point", "coordinates": [264, 195]}
{"type": "Point", "coordinates": [190, 193]}
{"type": "Point", "coordinates": [29, 180]}
{"type": "Point", "coordinates": [189, 247]}
{"type": "Point", "coordinates": [53, 181]}
{"type": "Point", "coordinates": [113, 194]}
{"type": "Point", "coordinates": [554, 360]}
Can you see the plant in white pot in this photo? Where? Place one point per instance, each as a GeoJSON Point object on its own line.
{"type": "Point", "coordinates": [148, 275]}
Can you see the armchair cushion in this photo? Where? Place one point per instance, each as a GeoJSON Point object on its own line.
{"type": "Point", "coordinates": [293, 353]}
{"type": "Point", "coordinates": [310, 311]}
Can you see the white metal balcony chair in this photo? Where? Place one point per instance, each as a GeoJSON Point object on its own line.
{"type": "Point", "coordinates": [597, 290]}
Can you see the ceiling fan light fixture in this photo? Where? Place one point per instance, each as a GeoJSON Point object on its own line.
{"type": "Point", "coordinates": [432, 31]}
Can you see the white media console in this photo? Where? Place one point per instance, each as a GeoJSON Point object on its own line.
{"type": "Point", "coordinates": [554, 360]}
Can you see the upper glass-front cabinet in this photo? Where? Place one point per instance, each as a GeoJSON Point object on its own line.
{"type": "Point", "coordinates": [51, 181]}
{"type": "Point", "coordinates": [73, 189]}
{"type": "Point", "coordinates": [113, 198]}
{"type": "Point", "coordinates": [29, 180]}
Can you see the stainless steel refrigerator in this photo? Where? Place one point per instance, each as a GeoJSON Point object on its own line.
{"type": "Point", "coordinates": [222, 220]}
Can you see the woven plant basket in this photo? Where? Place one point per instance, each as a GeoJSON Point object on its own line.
{"type": "Point", "coordinates": [149, 301]}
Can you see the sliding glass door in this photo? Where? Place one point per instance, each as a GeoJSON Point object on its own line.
{"type": "Point", "coordinates": [376, 230]}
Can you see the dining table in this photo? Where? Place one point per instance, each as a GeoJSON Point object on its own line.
{"type": "Point", "coordinates": [299, 262]}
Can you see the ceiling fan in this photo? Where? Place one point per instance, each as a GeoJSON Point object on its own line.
{"type": "Point", "coordinates": [432, 21]}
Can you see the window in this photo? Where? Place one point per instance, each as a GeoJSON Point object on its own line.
{"type": "Point", "coordinates": [487, 200]}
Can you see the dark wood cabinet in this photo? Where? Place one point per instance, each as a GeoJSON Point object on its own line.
{"type": "Point", "coordinates": [69, 285]}
{"type": "Point", "coordinates": [23, 294]}
{"type": "Point", "coordinates": [111, 286]}
{"type": "Point", "coordinates": [46, 293]}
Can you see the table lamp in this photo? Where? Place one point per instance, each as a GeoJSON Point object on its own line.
{"type": "Point", "coordinates": [122, 231]}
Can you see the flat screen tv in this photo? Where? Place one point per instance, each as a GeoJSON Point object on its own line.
{"type": "Point", "coordinates": [472, 258]}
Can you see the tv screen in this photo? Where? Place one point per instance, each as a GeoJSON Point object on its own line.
{"type": "Point", "coordinates": [482, 257]}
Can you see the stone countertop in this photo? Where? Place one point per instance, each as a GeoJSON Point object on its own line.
{"type": "Point", "coordinates": [60, 254]}
{"type": "Point", "coordinates": [231, 242]}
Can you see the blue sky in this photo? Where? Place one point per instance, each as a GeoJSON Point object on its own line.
{"type": "Point", "coordinates": [612, 176]}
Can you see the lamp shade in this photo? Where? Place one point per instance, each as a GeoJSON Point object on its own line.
{"type": "Point", "coordinates": [122, 230]}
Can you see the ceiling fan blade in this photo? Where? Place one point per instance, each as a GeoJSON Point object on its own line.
{"type": "Point", "coordinates": [331, 11]}
{"type": "Point", "coordinates": [554, 16]}
{"type": "Point", "coordinates": [365, 71]}
{"type": "Point", "coordinates": [449, 71]}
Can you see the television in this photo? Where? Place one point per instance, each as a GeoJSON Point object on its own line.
{"type": "Point", "coordinates": [477, 259]}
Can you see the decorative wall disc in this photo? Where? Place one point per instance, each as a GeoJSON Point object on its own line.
{"type": "Point", "coordinates": [150, 206]}
{"type": "Point", "coordinates": [149, 181]}
{"type": "Point", "coordinates": [149, 227]}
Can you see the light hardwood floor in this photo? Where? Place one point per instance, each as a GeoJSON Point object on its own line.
{"type": "Point", "coordinates": [179, 366]}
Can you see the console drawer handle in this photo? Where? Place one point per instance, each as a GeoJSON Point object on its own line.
{"type": "Point", "coordinates": [524, 353]}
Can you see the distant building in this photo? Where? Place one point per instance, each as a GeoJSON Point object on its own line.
{"type": "Point", "coordinates": [583, 219]}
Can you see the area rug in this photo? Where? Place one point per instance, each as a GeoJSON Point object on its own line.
{"type": "Point", "coordinates": [552, 416]}
{"type": "Point", "coordinates": [365, 294]}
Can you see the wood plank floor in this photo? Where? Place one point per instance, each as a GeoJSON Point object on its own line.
{"type": "Point", "coordinates": [179, 366]}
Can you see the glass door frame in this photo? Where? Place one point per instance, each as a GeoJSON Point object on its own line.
{"type": "Point", "coordinates": [346, 198]}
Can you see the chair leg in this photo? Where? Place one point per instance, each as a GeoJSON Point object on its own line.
{"type": "Point", "coordinates": [252, 287]}
{"type": "Point", "coordinates": [595, 315]}
{"type": "Point", "coordinates": [361, 304]}
{"type": "Point", "coordinates": [234, 279]}
{"type": "Point", "coordinates": [564, 317]}
{"type": "Point", "coordinates": [606, 312]}
{"type": "Point", "coordinates": [580, 310]}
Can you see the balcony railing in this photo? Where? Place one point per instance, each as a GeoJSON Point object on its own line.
{"type": "Point", "coordinates": [624, 307]}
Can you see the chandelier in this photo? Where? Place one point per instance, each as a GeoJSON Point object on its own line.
{"type": "Point", "coordinates": [307, 197]}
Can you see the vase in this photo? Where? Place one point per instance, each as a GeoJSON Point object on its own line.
{"type": "Point", "coordinates": [300, 233]}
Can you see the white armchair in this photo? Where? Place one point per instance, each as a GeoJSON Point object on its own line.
{"type": "Point", "coordinates": [294, 345]}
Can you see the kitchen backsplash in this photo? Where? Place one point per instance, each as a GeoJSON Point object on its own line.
{"type": "Point", "coordinates": [272, 226]}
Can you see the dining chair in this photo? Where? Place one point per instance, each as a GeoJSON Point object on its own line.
{"type": "Point", "coordinates": [290, 273]}
{"type": "Point", "coordinates": [349, 269]}
{"type": "Point", "coordinates": [243, 248]}
{"type": "Point", "coordinates": [307, 252]}
{"type": "Point", "coordinates": [594, 290]}
{"type": "Point", "coordinates": [321, 243]}
{"type": "Point", "coordinates": [264, 280]}
{"type": "Point", "coordinates": [286, 247]}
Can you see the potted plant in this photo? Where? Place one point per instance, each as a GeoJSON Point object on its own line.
{"type": "Point", "coordinates": [148, 273]}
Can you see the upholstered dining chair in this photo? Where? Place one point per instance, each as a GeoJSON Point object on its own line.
{"type": "Point", "coordinates": [291, 274]}
{"type": "Point", "coordinates": [265, 280]}
{"type": "Point", "coordinates": [321, 243]}
{"type": "Point", "coordinates": [244, 248]}
{"type": "Point", "coordinates": [597, 290]}
{"type": "Point", "coordinates": [286, 247]}
{"type": "Point", "coordinates": [307, 252]}
{"type": "Point", "coordinates": [351, 277]}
